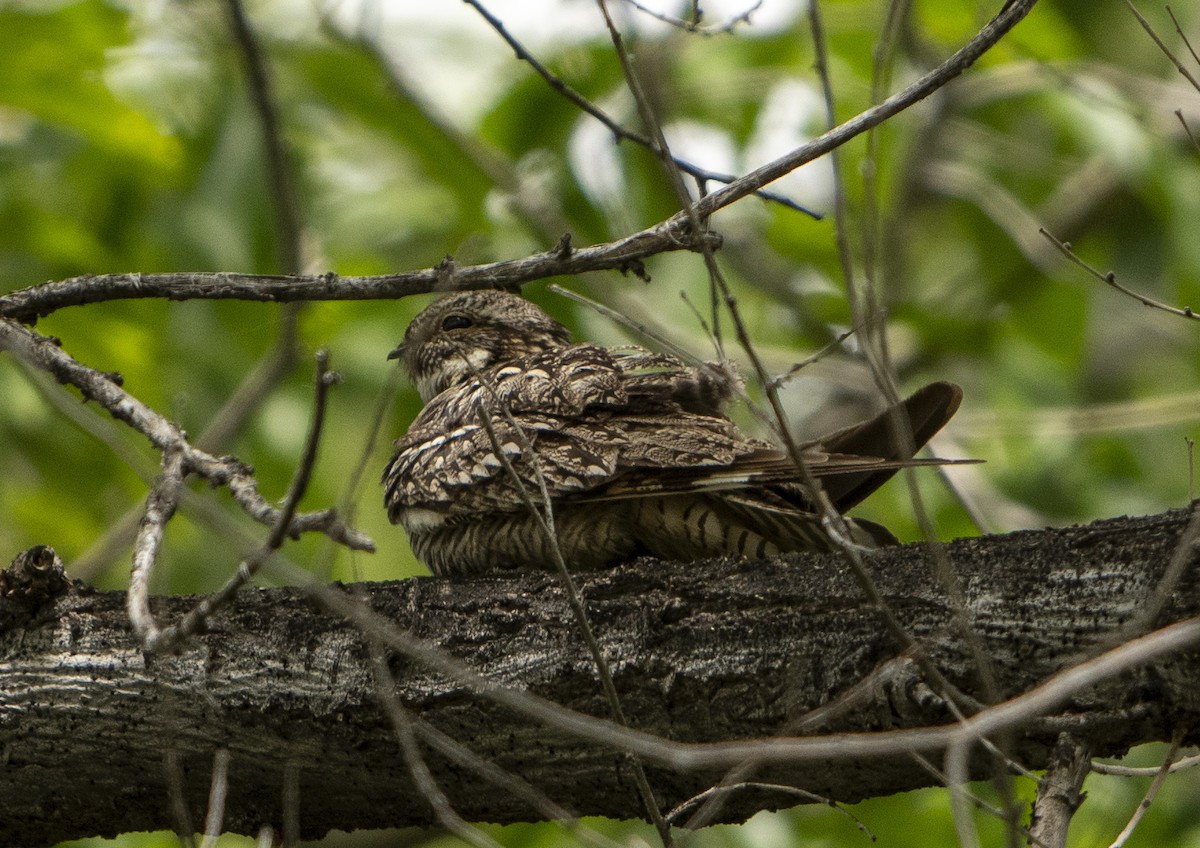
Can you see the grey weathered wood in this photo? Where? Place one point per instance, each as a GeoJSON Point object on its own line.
{"type": "Point", "coordinates": [705, 651]}
{"type": "Point", "coordinates": [1059, 795]}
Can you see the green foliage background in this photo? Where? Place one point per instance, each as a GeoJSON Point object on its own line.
{"type": "Point", "coordinates": [128, 142]}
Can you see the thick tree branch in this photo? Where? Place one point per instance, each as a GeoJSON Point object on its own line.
{"type": "Point", "coordinates": [709, 652]}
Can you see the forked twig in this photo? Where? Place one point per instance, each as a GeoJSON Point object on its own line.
{"type": "Point", "coordinates": [619, 132]}
{"type": "Point", "coordinates": [44, 353]}
{"type": "Point", "coordinates": [1183, 35]}
{"type": "Point", "coordinates": [694, 26]}
{"type": "Point", "coordinates": [675, 233]}
{"type": "Point", "coordinates": [780, 379]}
{"type": "Point", "coordinates": [164, 639]}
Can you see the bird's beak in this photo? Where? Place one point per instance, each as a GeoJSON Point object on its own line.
{"type": "Point", "coordinates": [397, 353]}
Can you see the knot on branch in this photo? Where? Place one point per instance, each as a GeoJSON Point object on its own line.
{"type": "Point", "coordinates": [34, 578]}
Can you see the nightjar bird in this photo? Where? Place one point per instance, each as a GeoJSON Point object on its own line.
{"type": "Point", "coordinates": [631, 448]}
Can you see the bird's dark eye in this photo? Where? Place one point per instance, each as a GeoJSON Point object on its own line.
{"type": "Point", "coordinates": [456, 322]}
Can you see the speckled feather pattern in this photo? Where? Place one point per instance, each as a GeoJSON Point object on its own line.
{"type": "Point", "coordinates": [631, 446]}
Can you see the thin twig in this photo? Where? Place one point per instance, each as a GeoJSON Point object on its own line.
{"type": "Point", "coordinates": [695, 27]}
{"type": "Point", "coordinates": [549, 809]}
{"type": "Point", "coordinates": [710, 332]}
{"type": "Point", "coordinates": [722, 370]}
{"type": "Point", "coordinates": [633, 324]}
{"type": "Point", "coordinates": [173, 771]}
{"type": "Point", "coordinates": [161, 503]}
{"type": "Point", "coordinates": [802, 795]}
{"type": "Point", "coordinates": [672, 234]}
{"type": "Point", "coordinates": [840, 231]}
{"type": "Point", "coordinates": [348, 500]}
{"type": "Point", "coordinates": [1191, 459]}
{"type": "Point", "coordinates": [253, 391]}
{"type": "Point", "coordinates": [218, 791]}
{"type": "Point", "coordinates": [657, 142]}
{"type": "Point", "coordinates": [402, 728]}
{"type": "Point", "coordinates": [957, 758]}
{"type": "Point", "coordinates": [42, 352]}
{"type": "Point", "coordinates": [1183, 35]}
{"type": "Point", "coordinates": [697, 222]}
{"type": "Point", "coordinates": [1110, 279]}
{"type": "Point", "coordinates": [697, 226]}
{"type": "Point", "coordinates": [1182, 558]}
{"type": "Point", "coordinates": [795, 370]}
{"type": "Point", "coordinates": [194, 621]}
{"type": "Point", "coordinates": [871, 318]}
{"type": "Point", "coordinates": [1150, 771]}
{"type": "Point", "coordinates": [287, 214]}
{"type": "Point", "coordinates": [1163, 47]}
{"type": "Point", "coordinates": [545, 519]}
{"type": "Point", "coordinates": [290, 802]}
{"type": "Point", "coordinates": [1151, 793]}
{"type": "Point", "coordinates": [965, 793]}
{"type": "Point", "coordinates": [846, 701]}
{"type": "Point", "coordinates": [1188, 130]}
{"type": "Point", "coordinates": [619, 132]}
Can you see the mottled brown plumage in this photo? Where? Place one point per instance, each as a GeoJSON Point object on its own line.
{"type": "Point", "coordinates": [631, 447]}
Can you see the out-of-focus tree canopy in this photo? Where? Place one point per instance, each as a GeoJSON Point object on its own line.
{"type": "Point", "coordinates": [129, 141]}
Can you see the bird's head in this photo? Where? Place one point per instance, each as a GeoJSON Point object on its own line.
{"type": "Point", "coordinates": [461, 334]}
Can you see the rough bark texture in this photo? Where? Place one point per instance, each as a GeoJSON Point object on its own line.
{"type": "Point", "coordinates": [1059, 795]}
{"type": "Point", "coordinates": [705, 651]}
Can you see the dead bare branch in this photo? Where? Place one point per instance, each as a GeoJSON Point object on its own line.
{"type": "Point", "coordinates": [105, 389]}
{"type": "Point", "coordinates": [170, 638]}
{"type": "Point", "coordinates": [1166, 51]}
{"type": "Point", "coordinates": [624, 254]}
{"type": "Point", "coordinates": [279, 175]}
{"type": "Point", "coordinates": [1110, 279]}
{"type": "Point", "coordinates": [1151, 793]}
{"type": "Point", "coordinates": [619, 132]}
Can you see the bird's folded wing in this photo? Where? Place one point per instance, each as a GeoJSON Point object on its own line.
{"type": "Point", "coordinates": [754, 471]}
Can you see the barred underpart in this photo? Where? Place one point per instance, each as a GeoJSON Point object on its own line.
{"type": "Point", "coordinates": [631, 448]}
